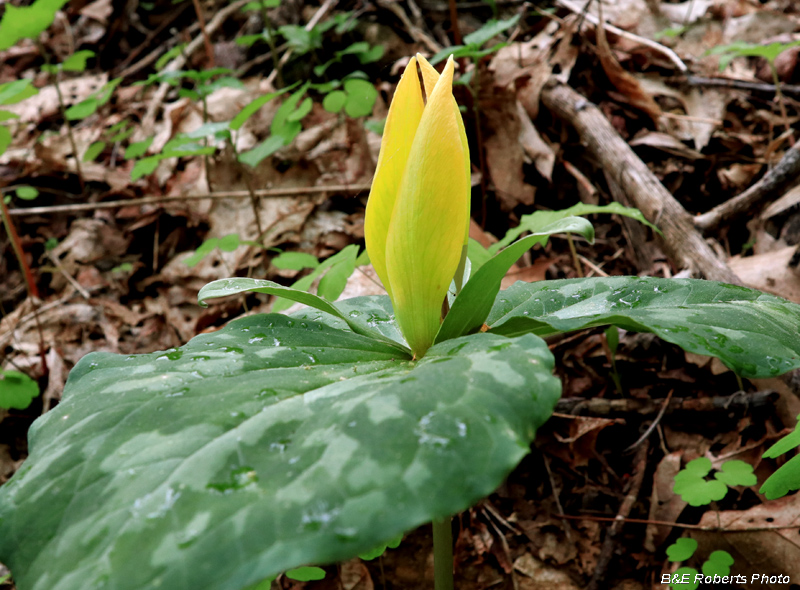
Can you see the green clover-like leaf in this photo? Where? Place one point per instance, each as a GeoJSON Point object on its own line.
{"type": "Point", "coordinates": [682, 549]}
{"type": "Point", "coordinates": [719, 563]}
{"type": "Point", "coordinates": [736, 473]}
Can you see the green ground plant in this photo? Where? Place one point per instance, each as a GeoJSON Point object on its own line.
{"type": "Point", "coordinates": [714, 569]}
{"type": "Point", "coordinates": [284, 442]}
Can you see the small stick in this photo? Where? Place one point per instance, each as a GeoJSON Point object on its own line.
{"type": "Point", "coordinates": [279, 192]}
{"type": "Point", "coordinates": [206, 39]}
{"type": "Point", "coordinates": [666, 51]}
{"type": "Point", "coordinates": [652, 426]}
{"type": "Point", "coordinates": [742, 85]}
{"type": "Point", "coordinates": [625, 170]}
{"type": "Point", "coordinates": [778, 179]}
{"type": "Point", "coordinates": [683, 525]}
{"type": "Point", "coordinates": [610, 542]}
{"type": "Point", "coordinates": [30, 282]}
{"type": "Point", "coordinates": [570, 407]}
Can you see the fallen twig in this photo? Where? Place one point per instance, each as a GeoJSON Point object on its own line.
{"type": "Point", "coordinates": [682, 241]}
{"type": "Point", "coordinates": [277, 192]}
{"type": "Point", "coordinates": [658, 47]}
{"type": "Point", "coordinates": [742, 85]}
{"type": "Point", "coordinates": [776, 180]}
{"type": "Point", "coordinates": [741, 401]}
{"type": "Point", "coordinates": [610, 542]}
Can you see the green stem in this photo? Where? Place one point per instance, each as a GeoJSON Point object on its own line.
{"type": "Point", "coordinates": [442, 554]}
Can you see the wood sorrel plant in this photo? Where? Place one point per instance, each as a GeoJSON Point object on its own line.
{"type": "Point", "coordinates": [282, 441]}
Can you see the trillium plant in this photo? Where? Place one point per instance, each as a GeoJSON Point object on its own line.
{"type": "Point", "coordinates": [282, 441]}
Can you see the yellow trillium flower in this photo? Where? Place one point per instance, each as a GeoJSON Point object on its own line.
{"type": "Point", "coordinates": [417, 218]}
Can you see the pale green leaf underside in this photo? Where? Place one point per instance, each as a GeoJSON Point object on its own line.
{"type": "Point", "coordinates": [271, 444]}
{"type": "Point", "coordinates": [753, 333]}
{"type": "Point", "coordinates": [353, 319]}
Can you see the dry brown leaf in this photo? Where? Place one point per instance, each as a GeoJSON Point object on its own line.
{"type": "Point", "coordinates": [667, 143]}
{"type": "Point", "coordinates": [538, 150]}
{"type": "Point", "coordinates": [504, 154]}
{"type": "Point", "coordinates": [45, 103]}
{"type": "Point", "coordinates": [664, 504]}
{"type": "Point", "coordinates": [536, 575]}
{"type": "Point", "coordinates": [623, 81]}
{"type": "Point", "coordinates": [770, 552]}
{"type": "Point", "coordinates": [529, 274]}
{"type": "Point", "coordinates": [770, 272]}
{"type": "Point", "coordinates": [353, 575]}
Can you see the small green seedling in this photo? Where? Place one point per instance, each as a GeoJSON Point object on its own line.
{"type": "Point", "coordinates": [768, 52]}
{"type": "Point", "coordinates": [475, 41]}
{"type": "Point", "coordinates": [17, 390]}
{"type": "Point", "coordinates": [334, 273]}
{"type": "Point", "coordinates": [227, 243]}
{"type": "Point", "coordinates": [717, 566]}
{"type": "Point", "coordinates": [356, 99]}
{"type": "Point", "coordinates": [693, 487]}
{"type": "Point", "coordinates": [12, 93]}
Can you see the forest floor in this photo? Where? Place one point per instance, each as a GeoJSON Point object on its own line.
{"type": "Point", "coordinates": [118, 241]}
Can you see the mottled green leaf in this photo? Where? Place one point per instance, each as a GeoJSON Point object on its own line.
{"type": "Point", "coordinates": [226, 287]}
{"type": "Point", "coordinates": [268, 445]}
{"type": "Point", "coordinates": [753, 333]}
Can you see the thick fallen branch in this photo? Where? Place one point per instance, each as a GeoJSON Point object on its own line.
{"type": "Point", "coordinates": [780, 178]}
{"type": "Point", "coordinates": [682, 241]}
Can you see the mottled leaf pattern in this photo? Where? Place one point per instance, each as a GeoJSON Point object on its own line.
{"type": "Point", "coordinates": [274, 443]}
{"type": "Point", "coordinates": [751, 332]}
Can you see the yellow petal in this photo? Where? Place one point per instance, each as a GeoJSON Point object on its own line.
{"type": "Point", "coordinates": [429, 78]}
{"type": "Point", "coordinates": [426, 232]}
{"type": "Point", "coordinates": [402, 121]}
{"type": "Point", "coordinates": [429, 75]}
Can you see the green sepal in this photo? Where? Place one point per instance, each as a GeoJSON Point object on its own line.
{"type": "Point", "coordinates": [473, 304]}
